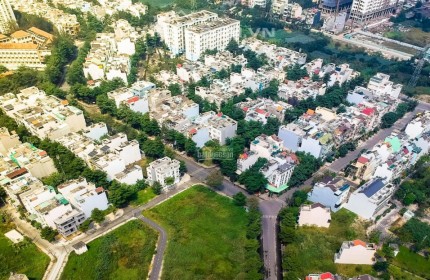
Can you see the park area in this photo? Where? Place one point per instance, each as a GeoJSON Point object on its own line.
{"type": "Point", "coordinates": [412, 262]}
{"type": "Point", "coordinates": [125, 253]}
{"type": "Point", "coordinates": [24, 257]}
{"type": "Point", "coordinates": [206, 235]}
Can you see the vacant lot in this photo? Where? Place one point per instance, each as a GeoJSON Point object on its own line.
{"type": "Point", "coordinates": [144, 196]}
{"type": "Point", "coordinates": [158, 3]}
{"type": "Point", "coordinates": [206, 233]}
{"type": "Point", "coordinates": [125, 253]}
{"type": "Point", "coordinates": [413, 263]}
{"type": "Point", "coordinates": [24, 258]}
{"type": "Point", "coordinates": [414, 36]}
{"type": "Point", "coordinates": [314, 248]}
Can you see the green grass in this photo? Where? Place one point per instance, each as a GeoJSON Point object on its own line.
{"type": "Point", "coordinates": [144, 196]}
{"type": "Point", "coordinates": [124, 253]}
{"type": "Point", "coordinates": [28, 259]}
{"type": "Point", "coordinates": [158, 3]}
{"type": "Point", "coordinates": [412, 262]}
{"type": "Point", "coordinates": [314, 248]}
{"type": "Point", "coordinates": [399, 274]}
{"type": "Point", "coordinates": [206, 233]}
{"type": "Point", "coordinates": [414, 36]}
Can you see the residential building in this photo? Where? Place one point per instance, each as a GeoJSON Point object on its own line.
{"type": "Point", "coordinates": [314, 215]}
{"type": "Point", "coordinates": [300, 90]}
{"type": "Point", "coordinates": [278, 57]}
{"type": "Point", "coordinates": [262, 109]}
{"type": "Point", "coordinates": [84, 196]}
{"type": "Point", "coordinates": [210, 35]}
{"type": "Point", "coordinates": [63, 22]}
{"type": "Point", "coordinates": [163, 168]}
{"type": "Point", "coordinates": [96, 131]}
{"type": "Point", "coordinates": [323, 276]}
{"type": "Point", "coordinates": [36, 161]}
{"type": "Point", "coordinates": [69, 222]}
{"type": "Point", "coordinates": [330, 192]}
{"type": "Point", "coordinates": [329, 6]}
{"type": "Point", "coordinates": [418, 126]}
{"type": "Point", "coordinates": [368, 200]}
{"type": "Point", "coordinates": [366, 10]}
{"type": "Point", "coordinates": [221, 127]}
{"type": "Point", "coordinates": [135, 97]}
{"type": "Point", "coordinates": [8, 140]}
{"type": "Point", "coordinates": [356, 252]}
{"type": "Point", "coordinates": [7, 17]}
{"type": "Point", "coordinates": [278, 6]}
{"type": "Point", "coordinates": [44, 116]}
{"type": "Point", "coordinates": [292, 11]}
{"type": "Point", "coordinates": [172, 27]}
{"type": "Point", "coordinates": [380, 84]}
{"type": "Point", "coordinates": [17, 181]}
{"type": "Point", "coordinates": [253, 3]}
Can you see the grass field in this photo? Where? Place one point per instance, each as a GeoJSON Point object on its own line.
{"type": "Point", "coordinates": [315, 247]}
{"type": "Point", "coordinates": [158, 3]}
{"type": "Point", "coordinates": [413, 263]}
{"type": "Point", "coordinates": [125, 253]}
{"type": "Point", "coordinates": [206, 233]}
{"type": "Point", "coordinates": [144, 196]}
{"type": "Point", "coordinates": [414, 36]}
{"type": "Point", "coordinates": [28, 259]}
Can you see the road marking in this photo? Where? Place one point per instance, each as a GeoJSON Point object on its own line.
{"type": "Point", "coordinates": [269, 216]}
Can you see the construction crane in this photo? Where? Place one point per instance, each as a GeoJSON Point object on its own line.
{"type": "Point", "coordinates": [413, 81]}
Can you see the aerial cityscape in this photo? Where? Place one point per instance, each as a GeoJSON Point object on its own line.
{"type": "Point", "coordinates": [214, 139]}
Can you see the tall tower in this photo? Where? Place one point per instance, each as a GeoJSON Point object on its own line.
{"type": "Point", "coordinates": [7, 18]}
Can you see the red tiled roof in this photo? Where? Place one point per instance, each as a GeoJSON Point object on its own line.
{"type": "Point", "coordinates": [359, 242]}
{"type": "Point", "coordinates": [42, 153]}
{"type": "Point", "coordinates": [133, 99]}
{"type": "Point", "coordinates": [260, 111]}
{"type": "Point", "coordinates": [406, 151]}
{"type": "Point", "coordinates": [193, 131]}
{"type": "Point", "coordinates": [219, 114]}
{"type": "Point", "coordinates": [244, 156]}
{"type": "Point", "coordinates": [363, 160]}
{"type": "Point", "coordinates": [368, 111]}
{"type": "Point", "coordinates": [245, 109]}
{"type": "Point", "coordinates": [326, 276]}
{"type": "Point", "coordinates": [100, 190]}
{"type": "Point", "coordinates": [16, 173]}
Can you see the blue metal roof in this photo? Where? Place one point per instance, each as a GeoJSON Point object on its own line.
{"type": "Point", "coordinates": [374, 187]}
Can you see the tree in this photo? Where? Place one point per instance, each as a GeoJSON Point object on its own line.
{"type": "Point", "coordinates": [85, 226]}
{"type": "Point", "coordinates": [233, 47]}
{"type": "Point", "coordinates": [214, 180]}
{"type": "Point", "coordinates": [97, 215]}
{"type": "Point", "coordinates": [239, 199]}
{"type": "Point", "coordinates": [175, 89]}
{"type": "Point", "coordinates": [48, 234]}
{"type": "Point", "coordinates": [2, 194]}
{"type": "Point", "coordinates": [169, 181]}
{"type": "Point", "coordinates": [156, 188]}
{"type": "Point", "coordinates": [182, 167]}
{"type": "Point", "coordinates": [388, 119]}
{"type": "Point", "coordinates": [296, 72]}
{"type": "Point", "coordinates": [153, 148]}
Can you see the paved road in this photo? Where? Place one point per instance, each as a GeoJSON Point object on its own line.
{"type": "Point", "coordinates": [341, 163]}
{"type": "Point", "coordinates": [161, 247]}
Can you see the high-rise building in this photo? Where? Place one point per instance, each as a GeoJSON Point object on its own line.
{"type": "Point", "coordinates": [211, 35]}
{"type": "Point", "coordinates": [365, 10]}
{"type": "Point", "coordinates": [7, 18]}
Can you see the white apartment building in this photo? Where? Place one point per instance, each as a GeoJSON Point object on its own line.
{"type": "Point", "coordinates": [163, 168]}
{"type": "Point", "coordinates": [221, 127]}
{"type": "Point", "coordinates": [278, 6]}
{"type": "Point", "coordinates": [315, 215]}
{"type": "Point", "coordinates": [84, 196]}
{"type": "Point", "coordinates": [292, 11]}
{"type": "Point", "coordinates": [69, 222]}
{"type": "Point", "coordinates": [211, 35]}
{"type": "Point", "coordinates": [366, 10]}
{"type": "Point", "coordinates": [278, 172]}
{"type": "Point", "coordinates": [172, 27]}
{"type": "Point", "coordinates": [368, 200]}
{"type": "Point", "coordinates": [356, 252]}
{"type": "Point", "coordinates": [7, 18]}
{"type": "Point", "coordinates": [7, 140]}
{"type": "Point", "coordinates": [35, 160]}
{"type": "Point", "coordinates": [381, 85]}
{"type": "Point", "coordinates": [253, 3]}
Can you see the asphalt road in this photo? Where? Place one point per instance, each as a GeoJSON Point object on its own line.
{"type": "Point", "coordinates": [161, 247]}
